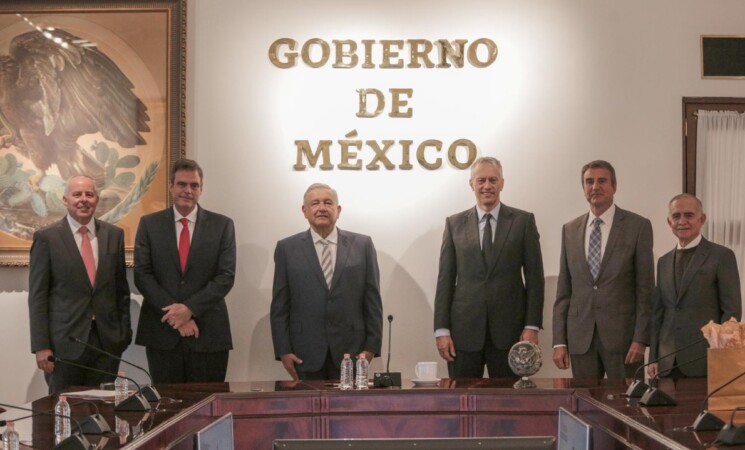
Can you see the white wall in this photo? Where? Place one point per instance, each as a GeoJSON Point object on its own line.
{"type": "Point", "coordinates": [574, 81]}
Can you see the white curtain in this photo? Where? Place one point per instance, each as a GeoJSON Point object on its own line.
{"type": "Point", "coordinates": [720, 180]}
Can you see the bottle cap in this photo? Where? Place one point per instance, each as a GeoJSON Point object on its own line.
{"type": "Point", "coordinates": [10, 423]}
{"type": "Point", "coordinates": [120, 373]}
{"type": "Point", "coordinates": [63, 398]}
{"type": "Point", "coordinates": [346, 355]}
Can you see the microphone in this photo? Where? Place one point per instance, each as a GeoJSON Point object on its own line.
{"type": "Point", "coordinates": [388, 379]}
{"type": "Point", "coordinates": [656, 397]}
{"type": "Point", "coordinates": [638, 387]}
{"type": "Point", "coordinates": [732, 434]}
{"type": "Point", "coordinates": [93, 424]}
{"type": "Point", "coordinates": [149, 391]}
{"type": "Point", "coordinates": [73, 442]}
{"type": "Point", "coordinates": [707, 421]}
{"type": "Point", "coordinates": [135, 402]}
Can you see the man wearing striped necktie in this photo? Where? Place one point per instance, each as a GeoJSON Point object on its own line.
{"type": "Point", "coordinates": [78, 289]}
{"type": "Point", "coordinates": [602, 311]}
{"type": "Point", "coordinates": [326, 295]}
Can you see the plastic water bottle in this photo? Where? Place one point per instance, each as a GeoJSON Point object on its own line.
{"type": "Point", "coordinates": [11, 440]}
{"type": "Point", "coordinates": [62, 419]}
{"type": "Point", "coordinates": [121, 388]}
{"type": "Point", "coordinates": [362, 369]}
{"type": "Point", "coordinates": [347, 373]}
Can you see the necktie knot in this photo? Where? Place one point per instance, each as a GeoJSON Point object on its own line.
{"type": "Point", "coordinates": [83, 230]}
{"type": "Point", "coordinates": [184, 221]}
{"type": "Point", "coordinates": [597, 222]}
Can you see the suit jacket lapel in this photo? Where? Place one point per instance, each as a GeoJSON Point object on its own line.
{"type": "Point", "coordinates": [200, 227]}
{"type": "Point", "coordinates": [102, 236]}
{"type": "Point", "coordinates": [698, 258]}
{"type": "Point", "coordinates": [615, 231]}
{"type": "Point", "coordinates": [168, 232]}
{"type": "Point", "coordinates": [309, 251]}
{"type": "Point", "coordinates": [72, 248]}
{"type": "Point", "coordinates": [580, 235]}
{"type": "Point", "coordinates": [342, 253]}
{"type": "Point", "coordinates": [504, 223]}
{"type": "Point", "coordinates": [470, 228]}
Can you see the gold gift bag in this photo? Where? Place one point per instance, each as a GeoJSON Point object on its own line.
{"type": "Point", "coordinates": [725, 364]}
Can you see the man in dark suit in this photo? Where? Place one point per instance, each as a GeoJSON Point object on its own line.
{"type": "Point", "coordinates": [606, 278]}
{"type": "Point", "coordinates": [326, 294]}
{"type": "Point", "coordinates": [184, 268]}
{"type": "Point", "coordinates": [698, 281]}
{"type": "Point", "coordinates": [78, 288]}
{"type": "Point", "coordinates": [482, 304]}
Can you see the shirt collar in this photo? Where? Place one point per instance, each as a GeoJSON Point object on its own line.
{"type": "Point", "coordinates": [606, 217]}
{"type": "Point", "coordinates": [333, 237]}
{"type": "Point", "coordinates": [75, 225]}
{"type": "Point", "coordinates": [694, 243]}
{"type": "Point", "coordinates": [494, 212]}
{"type": "Point", "coordinates": [192, 216]}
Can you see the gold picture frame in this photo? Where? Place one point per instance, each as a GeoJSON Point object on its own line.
{"type": "Point", "coordinates": [93, 87]}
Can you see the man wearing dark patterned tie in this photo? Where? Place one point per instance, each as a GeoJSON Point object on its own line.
{"type": "Point", "coordinates": [326, 294]}
{"type": "Point", "coordinates": [78, 289]}
{"type": "Point", "coordinates": [490, 285]}
{"type": "Point", "coordinates": [604, 291]}
{"type": "Point", "coordinates": [184, 268]}
{"type": "Point", "coordinates": [697, 281]}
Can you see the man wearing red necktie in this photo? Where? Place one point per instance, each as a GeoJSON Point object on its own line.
{"type": "Point", "coordinates": [184, 268]}
{"type": "Point", "coordinates": [78, 289]}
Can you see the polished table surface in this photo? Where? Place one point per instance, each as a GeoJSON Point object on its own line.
{"type": "Point", "coordinates": [265, 410]}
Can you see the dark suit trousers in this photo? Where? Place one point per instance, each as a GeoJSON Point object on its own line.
{"type": "Point", "coordinates": [183, 365]}
{"type": "Point", "coordinates": [597, 362]}
{"type": "Point", "coordinates": [329, 371]}
{"type": "Point", "coordinates": [471, 364]}
{"type": "Point", "coordinates": [65, 375]}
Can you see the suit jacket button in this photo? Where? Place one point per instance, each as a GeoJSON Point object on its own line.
{"type": "Point", "coordinates": [594, 288]}
{"type": "Point", "coordinates": [182, 282]}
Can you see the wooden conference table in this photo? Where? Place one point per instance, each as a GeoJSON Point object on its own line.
{"type": "Point", "coordinates": [264, 411]}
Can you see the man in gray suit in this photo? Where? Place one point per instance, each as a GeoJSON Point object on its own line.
{"type": "Point", "coordinates": [606, 278]}
{"type": "Point", "coordinates": [490, 284]}
{"type": "Point", "coordinates": [697, 282]}
{"type": "Point", "coordinates": [78, 289]}
{"type": "Point", "coordinates": [326, 294]}
{"type": "Point", "coordinates": [184, 268]}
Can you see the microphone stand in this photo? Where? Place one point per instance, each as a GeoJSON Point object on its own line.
{"type": "Point", "coordinates": [707, 421]}
{"type": "Point", "coordinates": [150, 393]}
{"type": "Point", "coordinates": [638, 387]}
{"type": "Point", "coordinates": [656, 397]}
{"type": "Point", "coordinates": [75, 441]}
{"type": "Point", "coordinates": [388, 379]}
{"type": "Point", "coordinates": [135, 402]}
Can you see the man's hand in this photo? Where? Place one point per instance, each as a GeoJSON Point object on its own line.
{"type": "Point", "coordinates": [636, 353]}
{"type": "Point", "coordinates": [446, 347]}
{"type": "Point", "coordinates": [176, 315]}
{"type": "Point", "coordinates": [289, 360]}
{"type": "Point", "coordinates": [529, 335]}
{"type": "Point", "coordinates": [653, 370]}
{"type": "Point", "coordinates": [188, 329]}
{"type": "Point", "coordinates": [42, 362]}
{"type": "Point", "coordinates": [368, 355]}
{"type": "Point", "coordinates": [561, 358]}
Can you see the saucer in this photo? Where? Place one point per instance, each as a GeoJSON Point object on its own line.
{"type": "Point", "coordinates": [432, 382]}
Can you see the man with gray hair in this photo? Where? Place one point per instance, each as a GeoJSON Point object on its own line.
{"type": "Point", "coordinates": [697, 281]}
{"type": "Point", "coordinates": [490, 285]}
{"type": "Point", "coordinates": [326, 294]}
{"type": "Point", "coordinates": [78, 289]}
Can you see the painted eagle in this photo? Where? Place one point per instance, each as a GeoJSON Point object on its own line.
{"type": "Point", "coordinates": [54, 90]}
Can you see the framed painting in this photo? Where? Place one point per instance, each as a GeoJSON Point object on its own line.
{"type": "Point", "coordinates": [94, 88]}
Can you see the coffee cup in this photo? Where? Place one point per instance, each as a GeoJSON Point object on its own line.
{"type": "Point", "coordinates": [426, 370]}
